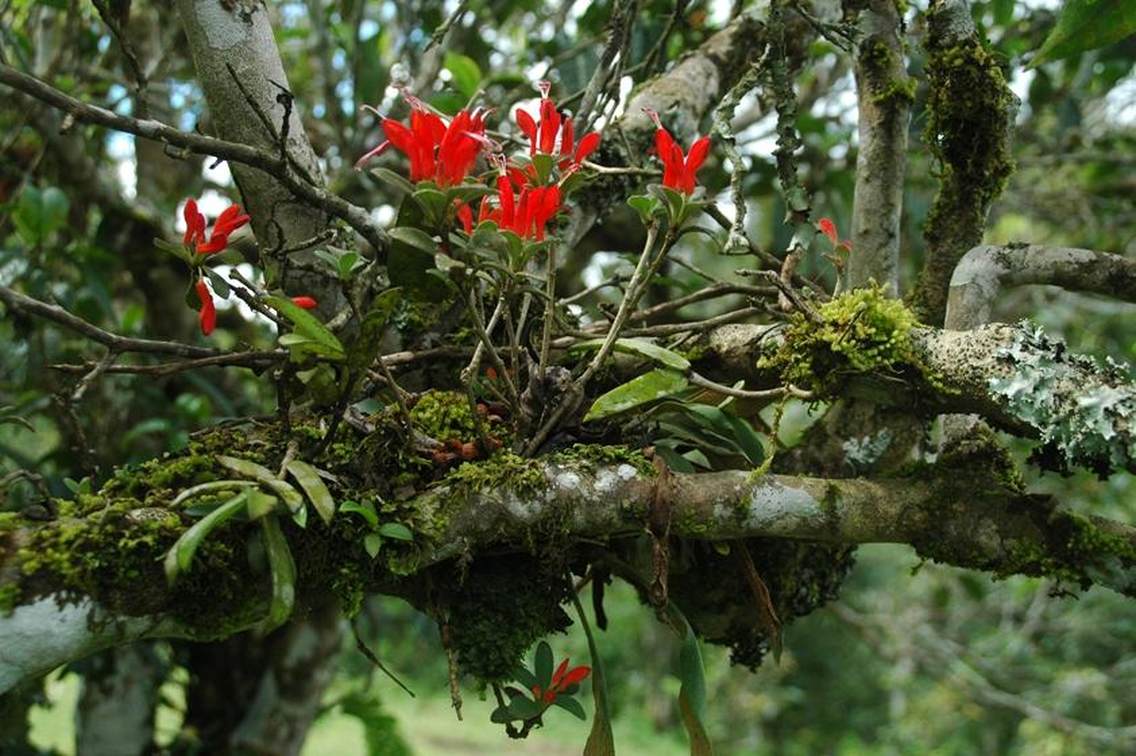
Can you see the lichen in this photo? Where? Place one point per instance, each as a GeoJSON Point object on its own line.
{"type": "Point", "coordinates": [878, 61]}
{"type": "Point", "coordinates": [861, 331]}
{"type": "Point", "coordinates": [1082, 425]}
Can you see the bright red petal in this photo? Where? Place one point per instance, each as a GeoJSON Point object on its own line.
{"type": "Point", "coordinates": [567, 137]}
{"type": "Point", "coordinates": [306, 303]}
{"type": "Point", "coordinates": [559, 673]}
{"type": "Point", "coordinates": [828, 228]}
{"type": "Point", "coordinates": [694, 160]}
{"type": "Point", "coordinates": [574, 676]}
{"type": "Point", "coordinates": [588, 144]}
{"type": "Point", "coordinates": [549, 126]}
{"type": "Point", "coordinates": [194, 222]}
{"type": "Point", "coordinates": [528, 128]}
{"type": "Point", "coordinates": [465, 215]}
{"type": "Point", "coordinates": [505, 200]}
{"type": "Point", "coordinates": [208, 313]}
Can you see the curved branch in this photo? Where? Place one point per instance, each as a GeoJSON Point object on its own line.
{"type": "Point", "coordinates": [966, 521]}
{"type": "Point", "coordinates": [985, 271]}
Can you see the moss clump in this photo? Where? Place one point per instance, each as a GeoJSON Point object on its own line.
{"type": "Point", "coordinates": [861, 331]}
{"type": "Point", "coordinates": [9, 597]}
{"type": "Point", "coordinates": [444, 415]}
{"type": "Point", "coordinates": [879, 61]}
{"type": "Point", "coordinates": [500, 609]}
{"type": "Point", "coordinates": [503, 470]}
{"type": "Point", "coordinates": [712, 590]}
{"type": "Point", "coordinates": [591, 456]}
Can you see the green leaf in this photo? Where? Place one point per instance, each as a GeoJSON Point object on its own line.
{"type": "Point", "coordinates": [543, 165]}
{"type": "Point", "coordinates": [571, 705]}
{"type": "Point", "coordinates": [308, 325]}
{"type": "Point", "coordinates": [214, 485]}
{"type": "Point", "coordinates": [283, 569]}
{"type": "Point", "coordinates": [390, 178]}
{"type": "Point", "coordinates": [542, 665]}
{"type": "Point", "coordinates": [180, 556]}
{"type": "Point", "coordinates": [525, 677]}
{"type": "Point", "coordinates": [292, 498]}
{"type": "Point", "coordinates": [366, 510]}
{"type": "Point", "coordinates": [601, 740]}
{"type": "Point", "coordinates": [731, 427]}
{"type": "Point", "coordinates": [407, 260]}
{"type": "Point", "coordinates": [1087, 25]}
{"type": "Point", "coordinates": [465, 72]}
{"type": "Point", "coordinates": [40, 212]}
{"type": "Point", "coordinates": [649, 387]}
{"type": "Point", "coordinates": [367, 345]}
{"type": "Point", "coordinates": [397, 531]}
{"type": "Point", "coordinates": [416, 238]}
{"type": "Point", "coordinates": [372, 542]}
{"type": "Point", "coordinates": [524, 708]}
{"type": "Point", "coordinates": [674, 460]}
{"type": "Point", "coordinates": [309, 479]}
{"type": "Point", "coordinates": [1003, 11]}
{"type": "Point", "coordinates": [692, 693]}
{"type": "Point", "coordinates": [643, 348]}
{"type": "Point", "coordinates": [220, 285]}
{"type": "Point", "coordinates": [645, 205]}
{"type": "Point", "coordinates": [260, 504]}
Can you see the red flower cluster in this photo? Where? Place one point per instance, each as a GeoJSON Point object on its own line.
{"type": "Point", "coordinates": [526, 214]}
{"type": "Point", "coordinates": [543, 135]}
{"type": "Point", "coordinates": [562, 680]}
{"type": "Point", "coordinates": [228, 221]}
{"type": "Point", "coordinates": [828, 228]}
{"type": "Point", "coordinates": [438, 152]}
{"type": "Point", "coordinates": [194, 240]}
{"type": "Point", "coordinates": [679, 169]}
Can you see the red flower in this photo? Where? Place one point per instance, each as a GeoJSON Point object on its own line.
{"type": "Point", "coordinates": [828, 228]}
{"type": "Point", "coordinates": [438, 152]}
{"type": "Point", "coordinates": [679, 169]}
{"type": "Point", "coordinates": [207, 315]}
{"type": "Point", "coordinates": [562, 680]}
{"type": "Point", "coordinates": [228, 221]}
{"type": "Point", "coordinates": [306, 303]}
{"type": "Point", "coordinates": [543, 135]}
{"type": "Point", "coordinates": [525, 214]}
{"type": "Point", "coordinates": [465, 215]}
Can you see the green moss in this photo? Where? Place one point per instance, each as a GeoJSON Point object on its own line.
{"type": "Point", "coordinates": [503, 470]}
{"type": "Point", "coordinates": [444, 415]}
{"type": "Point", "coordinates": [591, 456]}
{"type": "Point", "coordinates": [879, 61]}
{"type": "Point", "coordinates": [494, 618]}
{"type": "Point", "coordinates": [9, 597]}
{"type": "Point", "coordinates": [861, 331]}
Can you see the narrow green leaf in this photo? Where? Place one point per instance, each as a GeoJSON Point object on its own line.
{"type": "Point", "coordinates": [542, 665]}
{"type": "Point", "coordinates": [201, 488]}
{"type": "Point", "coordinates": [692, 693]}
{"type": "Point", "coordinates": [525, 677]}
{"type": "Point", "coordinates": [308, 325]}
{"type": "Point", "coordinates": [292, 498]}
{"type": "Point", "coordinates": [397, 531]}
{"type": "Point", "coordinates": [649, 387]}
{"type": "Point", "coordinates": [372, 542]}
{"type": "Point", "coordinates": [601, 740]}
{"type": "Point", "coordinates": [643, 348]}
{"type": "Point", "coordinates": [390, 178]}
{"type": "Point", "coordinates": [309, 479]}
{"type": "Point", "coordinates": [180, 556]}
{"type": "Point", "coordinates": [283, 570]}
{"type": "Point", "coordinates": [571, 705]}
{"type": "Point", "coordinates": [366, 510]}
{"type": "Point", "coordinates": [260, 504]}
{"type": "Point", "coordinates": [1087, 25]}
{"type": "Point", "coordinates": [415, 237]}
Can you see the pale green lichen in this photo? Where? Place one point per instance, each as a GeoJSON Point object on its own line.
{"type": "Point", "coordinates": [1087, 429]}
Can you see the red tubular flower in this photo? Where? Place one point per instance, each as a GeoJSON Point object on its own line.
{"type": "Point", "coordinates": [526, 214]}
{"type": "Point", "coordinates": [543, 135]}
{"type": "Point", "coordinates": [562, 680]}
{"type": "Point", "coordinates": [465, 215]}
{"type": "Point", "coordinates": [230, 220]}
{"type": "Point", "coordinates": [438, 152]}
{"type": "Point", "coordinates": [679, 169]}
{"type": "Point", "coordinates": [207, 315]}
{"type": "Point", "coordinates": [828, 228]}
{"type": "Point", "coordinates": [306, 303]}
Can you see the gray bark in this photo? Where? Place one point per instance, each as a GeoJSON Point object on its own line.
{"type": "Point", "coordinates": [884, 96]}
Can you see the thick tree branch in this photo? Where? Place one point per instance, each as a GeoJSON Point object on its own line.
{"type": "Point", "coordinates": [976, 521]}
{"type": "Point", "coordinates": [986, 271]}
